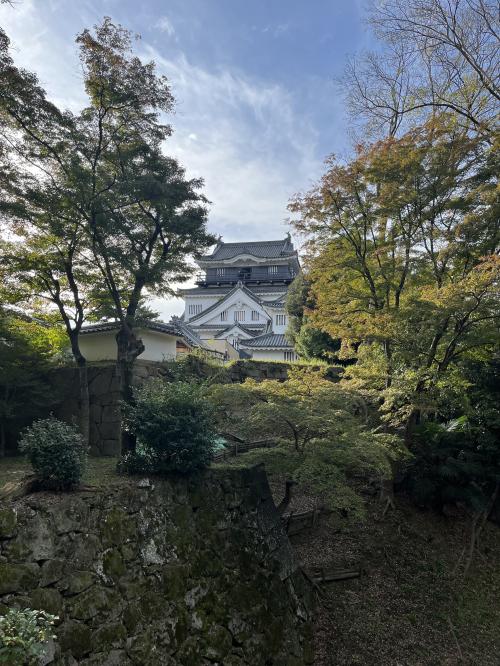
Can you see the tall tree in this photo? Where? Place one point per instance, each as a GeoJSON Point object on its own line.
{"type": "Point", "coordinates": [437, 55]}
{"type": "Point", "coordinates": [401, 244]}
{"type": "Point", "coordinates": [135, 216]}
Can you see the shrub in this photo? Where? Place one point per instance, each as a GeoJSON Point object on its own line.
{"type": "Point", "coordinates": [174, 427]}
{"type": "Point", "coordinates": [23, 636]}
{"type": "Point", "coordinates": [56, 452]}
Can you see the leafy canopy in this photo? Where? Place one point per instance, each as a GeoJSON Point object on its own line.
{"type": "Point", "coordinates": [321, 431]}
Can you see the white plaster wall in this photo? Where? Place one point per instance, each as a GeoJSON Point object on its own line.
{"type": "Point", "coordinates": [98, 346]}
{"type": "Point", "coordinates": [267, 354]}
{"type": "Point", "coordinates": [279, 328]}
{"type": "Point", "coordinates": [102, 346]}
{"type": "Point", "coordinates": [204, 301]}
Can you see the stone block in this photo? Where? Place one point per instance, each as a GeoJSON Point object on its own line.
{"type": "Point", "coordinates": [18, 577]}
{"type": "Point", "coordinates": [110, 430]}
{"type": "Point", "coordinates": [111, 413]}
{"type": "Point", "coordinates": [47, 599]}
{"type": "Point", "coordinates": [75, 638]}
{"type": "Point", "coordinates": [51, 571]}
{"type": "Point", "coordinates": [8, 522]}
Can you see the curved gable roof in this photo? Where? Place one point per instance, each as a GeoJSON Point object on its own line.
{"type": "Point", "coordinates": [262, 249]}
{"type": "Point", "coordinates": [239, 287]}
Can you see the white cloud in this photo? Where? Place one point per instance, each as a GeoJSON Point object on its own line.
{"type": "Point", "coordinates": [243, 135]}
{"type": "Point", "coordinates": [276, 30]}
{"type": "Point", "coordinates": [164, 24]}
{"type": "Point", "coordinates": [253, 150]}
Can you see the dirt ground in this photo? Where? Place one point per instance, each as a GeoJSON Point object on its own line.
{"type": "Point", "coordinates": [407, 608]}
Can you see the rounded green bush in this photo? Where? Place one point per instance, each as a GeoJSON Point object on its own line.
{"type": "Point", "coordinates": [174, 427]}
{"type": "Point", "coordinates": [56, 452]}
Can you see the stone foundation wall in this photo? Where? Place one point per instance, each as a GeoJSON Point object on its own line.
{"type": "Point", "coordinates": [105, 397]}
{"type": "Point", "coordinates": [178, 572]}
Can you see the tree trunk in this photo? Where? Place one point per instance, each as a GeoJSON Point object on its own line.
{"type": "Point", "coordinates": [129, 347]}
{"type": "Point", "coordinates": [411, 422]}
{"type": "Point", "coordinates": [84, 399]}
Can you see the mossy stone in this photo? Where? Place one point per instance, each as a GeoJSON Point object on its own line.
{"type": "Point", "coordinates": [91, 602]}
{"type": "Point", "coordinates": [130, 551]}
{"type": "Point", "coordinates": [76, 638]}
{"type": "Point", "coordinates": [174, 581]}
{"type": "Point", "coordinates": [191, 651]}
{"type": "Point", "coordinates": [17, 550]}
{"type": "Point", "coordinates": [47, 599]}
{"type": "Point", "coordinates": [108, 636]}
{"type": "Point", "coordinates": [132, 618]}
{"type": "Point", "coordinates": [219, 643]}
{"type": "Point", "coordinates": [51, 571]}
{"type": "Point", "coordinates": [113, 565]}
{"type": "Point", "coordinates": [8, 522]}
{"type": "Point", "coordinates": [79, 581]}
{"type": "Point", "coordinates": [142, 649]}
{"type": "Point", "coordinates": [117, 528]}
{"type": "Point", "coordinates": [18, 577]}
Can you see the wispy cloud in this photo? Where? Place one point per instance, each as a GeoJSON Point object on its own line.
{"type": "Point", "coordinates": [165, 25]}
{"type": "Point", "coordinates": [243, 135]}
{"type": "Point", "coordinates": [246, 139]}
{"type": "Point", "coordinates": [276, 30]}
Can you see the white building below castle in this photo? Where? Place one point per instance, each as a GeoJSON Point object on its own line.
{"type": "Point", "coordinates": [237, 309]}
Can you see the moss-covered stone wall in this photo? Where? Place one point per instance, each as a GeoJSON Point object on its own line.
{"type": "Point", "coordinates": [178, 572]}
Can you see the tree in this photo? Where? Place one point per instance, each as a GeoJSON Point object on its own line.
{"type": "Point", "coordinates": [321, 431]}
{"type": "Point", "coordinates": [309, 342]}
{"type": "Point", "coordinates": [132, 216]}
{"type": "Point", "coordinates": [438, 55]}
{"type": "Point", "coordinates": [401, 260]}
{"type": "Point", "coordinates": [27, 349]}
{"type": "Point", "coordinates": [305, 407]}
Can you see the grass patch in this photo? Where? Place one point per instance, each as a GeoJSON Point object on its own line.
{"type": "Point", "coordinates": [99, 471]}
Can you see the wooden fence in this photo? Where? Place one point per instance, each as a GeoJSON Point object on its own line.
{"type": "Point", "coordinates": [235, 448]}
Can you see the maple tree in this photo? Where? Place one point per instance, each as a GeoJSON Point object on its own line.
{"type": "Point", "coordinates": [96, 214]}
{"type": "Point", "coordinates": [401, 259]}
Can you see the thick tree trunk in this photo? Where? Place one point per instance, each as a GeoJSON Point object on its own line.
{"type": "Point", "coordinates": [129, 348]}
{"type": "Point", "coordinates": [411, 422]}
{"type": "Point", "coordinates": [84, 399]}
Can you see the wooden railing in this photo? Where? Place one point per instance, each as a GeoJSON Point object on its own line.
{"type": "Point", "coordinates": [235, 448]}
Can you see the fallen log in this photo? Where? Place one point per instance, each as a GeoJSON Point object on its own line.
{"type": "Point", "coordinates": [16, 489]}
{"type": "Point", "coordinates": [330, 574]}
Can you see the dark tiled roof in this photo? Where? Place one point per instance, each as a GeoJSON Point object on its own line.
{"type": "Point", "coordinates": [246, 329]}
{"type": "Point", "coordinates": [269, 340]}
{"type": "Point", "coordinates": [209, 327]}
{"type": "Point", "coordinates": [159, 326]}
{"type": "Point", "coordinates": [262, 249]}
{"type": "Point", "coordinates": [279, 303]}
{"type": "Point", "coordinates": [218, 291]}
{"type": "Point", "coordinates": [187, 332]}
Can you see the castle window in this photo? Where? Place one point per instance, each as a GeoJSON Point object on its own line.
{"type": "Point", "coordinates": [280, 320]}
{"type": "Point", "coordinates": [223, 315]}
{"type": "Point", "coordinates": [221, 272]}
{"type": "Point", "coordinates": [195, 309]}
{"type": "Point", "coordinates": [239, 315]}
{"type": "Point", "coordinates": [272, 270]}
{"type": "Point", "coordinates": [255, 315]}
{"type": "Point", "coordinates": [289, 355]}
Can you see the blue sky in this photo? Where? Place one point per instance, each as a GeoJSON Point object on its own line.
{"type": "Point", "coordinates": [257, 107]}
